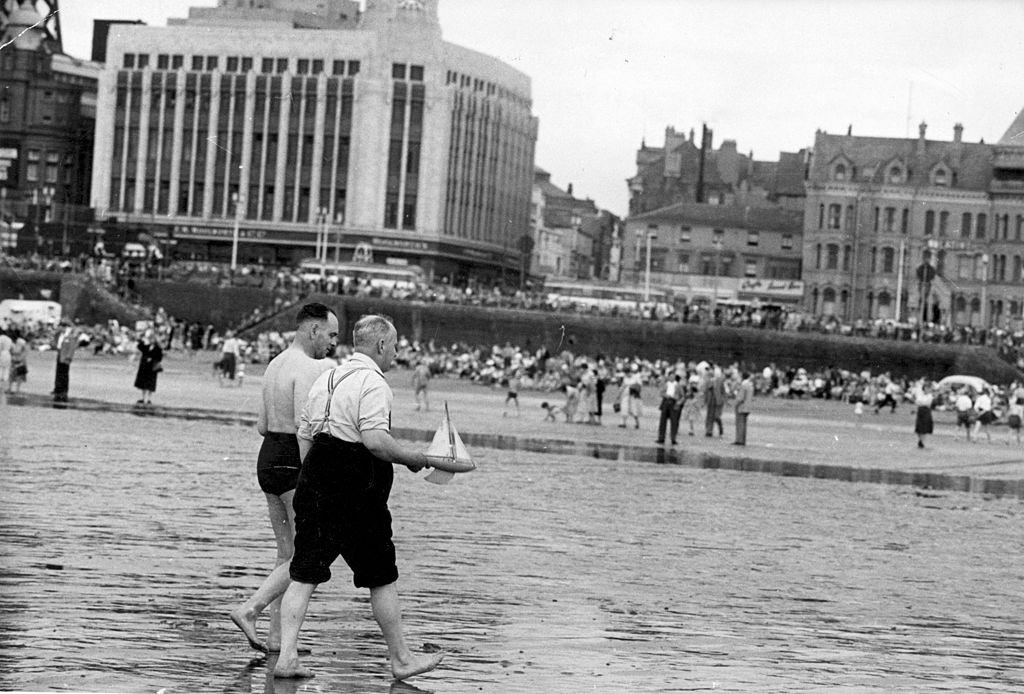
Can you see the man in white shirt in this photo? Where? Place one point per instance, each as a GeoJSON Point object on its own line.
{"type": "Point", "coordinates": [963, 405]}
{"type": "Point", "coordinates": [341, 499]}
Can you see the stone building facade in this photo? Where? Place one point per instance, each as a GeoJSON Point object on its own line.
{"type": "Point", "coordinates": [915, 229]}
{"type": "Point", "coordinates": [297, 117]}
{"type": "Point", "coordinates": [47, 116]}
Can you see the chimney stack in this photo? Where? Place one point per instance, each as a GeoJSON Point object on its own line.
{"type": "Point", "coordinates": [958, 148]}
{"type": "Point", "coordinates": [920, 139]}
{"type": "Point", "coordinates": [958, 132]}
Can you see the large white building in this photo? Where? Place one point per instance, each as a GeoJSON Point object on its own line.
{"type": "Point", "coordinates": [294, 116]}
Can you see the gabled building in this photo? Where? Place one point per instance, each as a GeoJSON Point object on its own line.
{"type": "Point", "coordinates": [915, 229]}
{"type": "Point", "coordinates": [567, 231]}
{"type": "Point", "coordinates": [686, 171]}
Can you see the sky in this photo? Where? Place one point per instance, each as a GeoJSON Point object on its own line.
{"type": "Point", "coordinates": [608, 75]}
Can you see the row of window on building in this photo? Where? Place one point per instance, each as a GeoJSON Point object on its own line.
{"type": "Point", "coordinates": [936, 223]}
{"type": "Point", "coordinates": [718, 236]}
{"type": "Point", "coordinates": [45, 167]}
{"type": "Point", "coordinates": [895, 173]}
{"type": "Point", "coordinates": [475, 84]}
{"type": "Point", "coordinates": [969, 266]}
{"type": "Point", "coordinates": [236, 63]}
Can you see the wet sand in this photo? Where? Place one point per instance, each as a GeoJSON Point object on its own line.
{"type": "Point", "coordinates": [127, 539]}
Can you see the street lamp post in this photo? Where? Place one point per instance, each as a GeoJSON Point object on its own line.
{"type": "Point", "coordinates": [321, 240]}
{"type": "Point", "coordinates": [239, 202]}
{"type": "Point", "coordinates": [717, 243]}
{"type": "Point", "coordinates": [984, 291]}
{"type": "Point", "coordinates": [647, 274]}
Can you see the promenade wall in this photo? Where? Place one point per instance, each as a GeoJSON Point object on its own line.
{"type": "Point", "coordinates": [580, 334]}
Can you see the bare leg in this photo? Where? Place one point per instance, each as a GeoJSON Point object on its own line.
{"type": "Point", "coordinates": [387, 611]}
{"type": "Point", "coordinates": [293, 611]}
{"type": "Point", "coordinates": [282, 520]}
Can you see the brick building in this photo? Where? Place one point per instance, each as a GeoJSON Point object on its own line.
{"type": "Point", "coordinates": [907, 228]}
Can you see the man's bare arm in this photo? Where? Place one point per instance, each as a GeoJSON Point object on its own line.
{"type": "Point", "coordinates": [382, 445]}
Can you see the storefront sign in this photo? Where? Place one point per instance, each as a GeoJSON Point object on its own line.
{"type": "Point", "coordinates": [791, 289]}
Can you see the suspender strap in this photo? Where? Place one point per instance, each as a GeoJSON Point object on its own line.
{"type": "Point", "coordinates": [331, 386]}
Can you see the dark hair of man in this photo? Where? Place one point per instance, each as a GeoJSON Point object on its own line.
{"type": "Point", "coordinates": [312, 311]}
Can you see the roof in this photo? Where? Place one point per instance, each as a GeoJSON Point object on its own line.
{"type": "Point", "coordinates": [1014, 135]}
{"type": "Point", "coordinates": [869, 155]}
{"type": "Point", "coordinates": [767, 218]}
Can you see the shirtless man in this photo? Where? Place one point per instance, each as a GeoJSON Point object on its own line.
{"type": "Point", "coordinates": [286, 384]}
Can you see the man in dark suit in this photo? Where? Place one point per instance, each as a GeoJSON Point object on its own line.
{"type": "Point", "coordinates": [67, 343]}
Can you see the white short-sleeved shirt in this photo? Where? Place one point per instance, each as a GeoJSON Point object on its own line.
{"type": "Point", "coordinates": [361, 402]}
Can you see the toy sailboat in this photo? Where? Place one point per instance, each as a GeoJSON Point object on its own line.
{"type": "Point", "coordinates": [447, 453]}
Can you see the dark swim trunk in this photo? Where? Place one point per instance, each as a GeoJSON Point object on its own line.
{"type": "Point", "coordinates": [277, 468]}
{"type": "Point", "coordinates": [341, 509]}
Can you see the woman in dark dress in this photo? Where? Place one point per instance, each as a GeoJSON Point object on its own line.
{"type": "Point", "coordinates": [923, 423]}
{"type": "Point", "coordinates": [150, 364]}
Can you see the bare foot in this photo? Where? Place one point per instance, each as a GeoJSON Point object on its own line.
{"type": "Point", "coordinates": [291, 669]}
{"type": "Point", "coordinates": [415, 666]}
{"type": "Point", "coordinates": [247, 623]}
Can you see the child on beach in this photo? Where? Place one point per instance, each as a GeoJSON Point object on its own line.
{"type": "Point", "coordinates": [691, 411]}
{"type": "Point", "coordinates": [1016, 416]}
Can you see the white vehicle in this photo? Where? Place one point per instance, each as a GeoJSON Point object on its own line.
{"type": "Point", "coordinates": [383, 276]}
{"type": "Point", "coordinates": [21, 311]}
{"type": "Point", "coordinates": [978, 384]}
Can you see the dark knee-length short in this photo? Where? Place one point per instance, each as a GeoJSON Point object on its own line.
{"type": "Point", "coordinates": [277, 468]}
{"type": "Point", "coordinates": [341, 509]}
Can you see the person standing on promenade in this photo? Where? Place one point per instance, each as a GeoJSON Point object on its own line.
{"type": "Point", "coordinates": [6, 343]}
{"type": "Point", "coordinates": [67, 343]}
{"type": "Point", "coordinates": [286, 384]}
{"type": "Point", "coordinates": [964, 407]}
{"type": "Point", "coordinates": [341, 500]}
{"type": "Point", "coordinates": [671, 400]}
{"type": "Point", "coordinates": [229, 354]}
{"type": "Point", "coordinates": [714, 400]}
{"type": "Point", "coordinates": [923, 423]}
{"type": "Point", "coordinates": [420, 381]}
{"type": "Point", "coordinates": [744, 402]}
{"type": "Point", "coordinates": [19, 362]}
{"type": "Point", "coordinates": [631, 396]}
{"type": "Point", "coordinates": [985, 415]}
{"type": "Point", "coordinates": [1016, 413]}
{"type": "Point", "coordinates": [150, 364]}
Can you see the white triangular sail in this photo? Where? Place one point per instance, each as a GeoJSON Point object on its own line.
{"type": "Point", "coordinates": [447, 452]}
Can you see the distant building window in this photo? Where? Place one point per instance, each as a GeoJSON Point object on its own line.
{"type": "Point", "coordinates": [32, 169]}
{"type": "Point", "coordinates": [940, 177]}
{"type": "Point", "coordinates": [684, 234]}
{"type": "Point", "coordinates": [302, 66]}
{"type": "Point", "coordinates": [416, 73]}
{"type": "Point", "coordinates": [282, 65]}
{"type": "Point", "coordinates": [895, 174]}
{"type": "Point", "coordinates": [162, 61]}
{"type": "Point", "coordinates": [750, 268]}
{"type": "Point", "coordinates": [840, 172]}
{"type": "Point", "coordinates": [177, 61]}
{"type": "Point", "coordinates": [398, 71]}
{"type": "Point", "coordinates": [943, 222]}
{"type": "Point", "coordinates": [832, 258]}
{"type": "Point", "coordinates": [834, 213]}
{"type": "Point", "coordinates": [318, 67]}
{"type": "Point", "coordinates": [890, 220]}
{"type": "Point", "coordinates": [929, 222]}
{"type": "Point", "coordinates": [353, 67]}
{"type": "Point", "coordinates": [232, 64]}
{"type": "Point", "coordinates": [787, 242]}
{"type": "Point", "coordinates": [905, 221]}
{"type": "Point", "coordinates": [338, 67]}
{"type": "Point", "coordinates": [211, 62]}
{"type": "Point", "coordinates": [684, 262]}
{"type": "Point", "coordinates": [52, 162]}
{"type": "Point", "coordinates": [5, 111]}
{"type": "Point", "coordinates": [979, 229]}
{"type": "Point", "coordinates": [753, 238]}
{"type": "Point", "coordinates": [246, 64]}
{"type": "Point", "coordinates": [197, 62]}
{"type": "Point", "coordinates": [129, 61]}
{"type": "Point", "coordinates": [142, 60]}
{"type": "Point", "coordinates": [888, 255]}
{"type": "Point", "coordinates": [267, 65]}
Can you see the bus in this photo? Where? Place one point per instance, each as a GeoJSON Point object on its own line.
{"type": "Point", "coordinates": [378, 276]}
{"type": "Point", "coordinates": [606, 298]}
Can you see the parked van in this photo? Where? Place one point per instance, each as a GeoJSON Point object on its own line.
{"type": "Point", "coordinates": [21, 311]}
